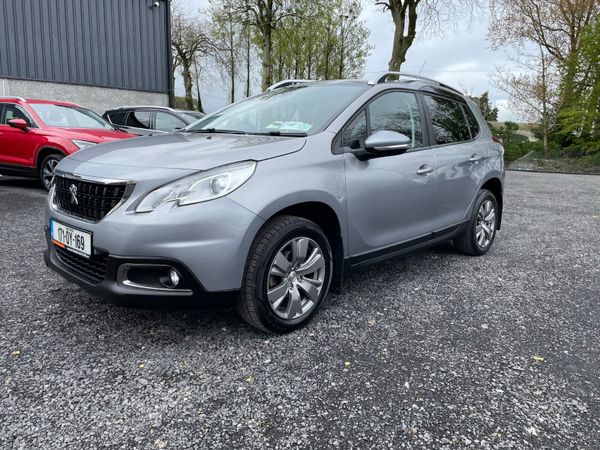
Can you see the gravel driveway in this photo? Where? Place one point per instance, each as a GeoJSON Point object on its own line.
{"type": "Point", "coordinates": [434, 351]}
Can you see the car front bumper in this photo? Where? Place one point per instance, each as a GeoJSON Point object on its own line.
{"type": "Point", "coordinates": [114, 290]}
{"type": "Point", "coordinates": [206, 243]}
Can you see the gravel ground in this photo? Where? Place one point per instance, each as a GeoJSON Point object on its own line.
{"type": "Point", "coordinates": [433, 351]}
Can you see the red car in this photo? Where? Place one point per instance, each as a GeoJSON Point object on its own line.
{"type": "Point", "coordinates": [36, 134]}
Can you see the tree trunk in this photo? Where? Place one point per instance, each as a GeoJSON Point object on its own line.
{"type": "Point", "coordinates": [187, 84]}
{"type": "Point", "coordinates": [200, 108]}
{"type": "Point", "coordinates": [197, 74]}
{"type": "Point", "coordinates": [544, 104]}
{"type": "Point", "coordinates": [327, 53]}
{"type": "Point", "coordinates": [402, 42]}
{"type": "Point", "coordinates": [231, 67]}
{"type": "Point", "coordinates": [267, 69]}
{"type": "Point", "coordinates": [248, 43]}
{"type": "Point", "coordinates": [341, 68]}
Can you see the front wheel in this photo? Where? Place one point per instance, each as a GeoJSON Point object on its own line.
{"type": "Point", "coordinates": [47, 167]}
{"type": "Point", "coordinates": [477, 239]}
{"type": "Point", "coordinates": [288, 274]}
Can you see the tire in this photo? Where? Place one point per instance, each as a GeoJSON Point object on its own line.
{"type": "Point", "coordinates": [287, 282]}
{"type": "Point", "coordinates": [471, 241]}
{"type": "Point", "coordinates": [46, 169]}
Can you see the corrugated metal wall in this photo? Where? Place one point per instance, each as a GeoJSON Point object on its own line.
{"type": "Point", "coordinates": [109, 43]}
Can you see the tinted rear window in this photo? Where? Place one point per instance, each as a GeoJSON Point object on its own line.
{"type": "Point", "coordinates": [118, 118]}
{"type": "Point", "coordinates": [448, 120]}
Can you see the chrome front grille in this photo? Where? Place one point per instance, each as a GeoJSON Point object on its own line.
{"type": "Point", "coordinates": [87, 200]}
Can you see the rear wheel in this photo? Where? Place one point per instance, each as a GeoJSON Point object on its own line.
{"type": "Point", "coordinates": [479, 236]}
{"type": "Point", "coordinates": [47, 167]}
{"type": "Point", "coordinates": [288, 274]}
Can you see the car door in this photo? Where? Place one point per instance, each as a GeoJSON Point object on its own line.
{"type": "Point", "coordinates": [16, 146]}
{"type": "Point", "coordinates": [391, 198]}
{"type": "Point", "coordinates": [459, 156]}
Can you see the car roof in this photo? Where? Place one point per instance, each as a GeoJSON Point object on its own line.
{"type": "Point", "coordinates": [131, 108]}
{"type": "Point", "coordinates": [38, 101]}
{"type": "Point", "coordinates": [405, 80]}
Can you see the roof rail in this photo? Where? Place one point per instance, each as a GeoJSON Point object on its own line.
{"type": "Point", "coordinates": [166, 108]}
{"type": "Point", "coordinates": [383, 76]}
{"type": "Point", "coordinates": [21, 99]}
{"type": "Point", "coordinates": [284, 83]}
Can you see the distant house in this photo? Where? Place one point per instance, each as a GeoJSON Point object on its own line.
{"type": "Point", "coordinates": [524, 133]}
{"type": "Point", "coordinates": [98, 53]}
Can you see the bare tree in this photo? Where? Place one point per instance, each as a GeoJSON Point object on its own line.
{"type": "Point", "coordinates": [534, 91]}
{"type": "Point", "coordinates": [226, 33]}
{"type": "Point", "coordinates": [554, 25]}
{"type": "Point", "coordinates": [431, 15]}
{"type": "Point", "coordinates": [189, 41]}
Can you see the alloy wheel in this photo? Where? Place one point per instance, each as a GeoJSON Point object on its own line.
{"type": "Point", "coordinates": [486, 224]}
{"type": "Point", "coordinates": [296, 278]}
{"type": "Point", "coordinates": [48, 171]}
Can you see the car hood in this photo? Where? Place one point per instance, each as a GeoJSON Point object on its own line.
{"type": "Point", "coordinates": [92, 135]}
{"type": "Point", "coordinates": [188, 151]}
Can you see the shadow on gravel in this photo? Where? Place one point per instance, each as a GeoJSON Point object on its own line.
{"type": "Point", "coordinates": [26, 183]}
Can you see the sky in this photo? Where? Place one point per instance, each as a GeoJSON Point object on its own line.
{"type": "Point", "coordinates": [461, 57]}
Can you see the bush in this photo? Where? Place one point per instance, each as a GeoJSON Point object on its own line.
{"type": "Point", "coordinates": [515, 150]}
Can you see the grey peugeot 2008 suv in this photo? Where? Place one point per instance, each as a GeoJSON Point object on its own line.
{"type": "Point", "coordinates": [269, 201]}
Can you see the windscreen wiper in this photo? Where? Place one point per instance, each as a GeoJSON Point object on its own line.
{"type": "Point", "coordinates": [282, 133]}
{"type": "Point", "coordinates": [217, 130]}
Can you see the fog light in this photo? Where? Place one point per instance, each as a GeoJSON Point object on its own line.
{"type": "Point", "coordinates": [170, 278]}
{"type": "Point", "coordinates": [173, 277]}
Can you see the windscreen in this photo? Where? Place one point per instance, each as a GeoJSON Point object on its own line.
{"type": "Point", "coordinates": [69, 117]}
{"type": "Point", "coordinates": [304, 109]}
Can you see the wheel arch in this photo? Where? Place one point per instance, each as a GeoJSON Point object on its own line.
{"type": "Point", "coordinates": [46, 151]}
{"type": "Point", "coordinates": [494, 185]}
{"type": "Point", "coordinates": [326, 217]}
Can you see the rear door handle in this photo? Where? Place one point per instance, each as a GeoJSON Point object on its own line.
{"type": "Point", "coordinates": [475, 157]}
{"type": "Point", "coordinates": [424, 169]}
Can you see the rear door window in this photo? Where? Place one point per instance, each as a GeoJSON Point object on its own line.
{"type": "Point", "coordinates": [139, 119]}
{"type": "Point", "coordinates": [168, 122]}
{"type": "Point", "coordinates": [447, 119]}
{"type": "Point", "coordinates": [118, 118]}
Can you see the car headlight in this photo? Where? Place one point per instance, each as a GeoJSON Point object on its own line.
{"type": "Point", "coordinates": [200, 187]}
{"type": "Point", "coordinates": [82, 144]}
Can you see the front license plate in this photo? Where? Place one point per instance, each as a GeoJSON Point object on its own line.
{"type": "Point", "coordinates": [72, 239]}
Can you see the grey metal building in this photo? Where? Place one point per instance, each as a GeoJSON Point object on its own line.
{"type": "Point", "coordinates": [98, 53]}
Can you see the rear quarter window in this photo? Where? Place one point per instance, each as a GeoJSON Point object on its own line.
{"type": "Point", "coordinates": [472, 121]}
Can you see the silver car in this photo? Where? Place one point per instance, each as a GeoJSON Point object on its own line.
{"type": "Point", "coordinates": [270, 201]}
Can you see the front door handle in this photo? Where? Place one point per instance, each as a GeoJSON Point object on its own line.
{"type": "Point", "coordinates": [475, 157]}
{"type": "Point", "coordinates": [424, 169]}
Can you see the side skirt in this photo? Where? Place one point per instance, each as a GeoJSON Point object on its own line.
{"type": "Point", "coordinates": [17, 171]}
{"type": "Point", "coordinates": [403, 248]}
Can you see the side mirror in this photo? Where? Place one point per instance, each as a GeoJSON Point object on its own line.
{"type": "Point", "coordinates": [386, 142]}
{"type": "Point", "coordinates": [21, 124]}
